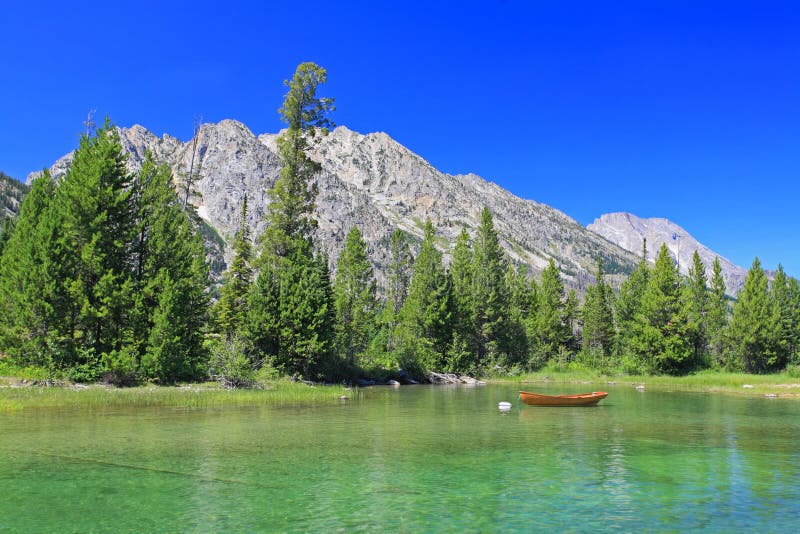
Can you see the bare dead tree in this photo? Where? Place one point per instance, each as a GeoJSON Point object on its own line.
{"type": "Point", "coordinates": [190, 177]}
{"type": "Point", "coordinates": [89, 123]}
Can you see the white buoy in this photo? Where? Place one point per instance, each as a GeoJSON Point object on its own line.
{"type": "Point", "coordinates": [504, 406]}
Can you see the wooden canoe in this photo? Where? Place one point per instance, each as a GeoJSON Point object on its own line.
{"type": "Point", "coordinates": [583, 399]}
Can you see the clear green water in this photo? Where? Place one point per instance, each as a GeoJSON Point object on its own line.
{"type": "Point", "coordinates": [410, 459]}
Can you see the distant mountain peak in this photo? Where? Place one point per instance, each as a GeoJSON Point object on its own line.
{"type": "Point", "coordinates": [629, 231]}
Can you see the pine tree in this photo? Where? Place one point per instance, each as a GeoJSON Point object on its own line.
{"type": "Point", "coordinates": [7, 225]}
{"type": "Point", "coordinates": [490, 294]}
{"type": "Point", "coordinates": [170, 279]}
{"type": "Point", "coordinates": [290, 308]}
{"type": "Point", "coordinates": [660, 329]}
{"type": "Point", "coordinates": [530, 323]}
{"type": "Point", "coordinates": [231, 309]}
{"type": "Point", "coordinates": [167, 358]}
{"type": "Point", "coordinates": [551, 329]}
{"type": "Point", "coordinates": [354, 300]}
{"type": "Point", "coordinates": [753, 328]}
{"type": "Point", "coordinates": [571, 319]}
{"type": "Point", "coordinates": [783, 317]}
{"type": "Point", "coordinates": [695, 302]}
{"type": "Point", "coordinates": [461, 355]}
{"type": "Point", "coordinates": [425, 317]}
{"type": "Point", "coordinates": [461, 269]}
{"type": "Point", "coordinates": [114, 272]}
{"type": "Point", "coordinates": [629, 303]}
{"type": "Point", "coordinates": [718, 313]}
{"type": "Point", "coordinates": [794, 346]}
{"type": "Point", "coordinates": [598, 316]}
{"type": "Point", "coordinates": [29, 324]}
{"type": "Point", "coordinates": [262, 328]}
{"type": "Point", "coordinates": [399, 277]}
{"type": "Point", "coordinates": [521, 305]}
{"type": "Point", "coordinates": [98, 224]}
{"type": "Point", "coordinates": [290, 213]}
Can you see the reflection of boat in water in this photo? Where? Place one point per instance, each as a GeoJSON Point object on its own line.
{"type": "Point", "coordinates": [582, 399]}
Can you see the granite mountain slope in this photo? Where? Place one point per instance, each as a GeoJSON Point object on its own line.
{"type": "Point", "coordinates": [11, 194]}
{"type": "Point", "coordinates": [375, 183]}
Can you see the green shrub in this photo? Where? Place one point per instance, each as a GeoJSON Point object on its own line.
{"type": "Point", "coordinates": [85, 373]}
{"type": "Point", "coordinates": [119, 368]}
{"type": "Point", "coordinates": [793, 370]}
{"type": "Point", "coordinates": [230, 365]}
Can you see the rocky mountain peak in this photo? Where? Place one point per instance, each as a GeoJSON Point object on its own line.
{"type": "Point", "coordinates": [373, 182]}
{"type": "Point", "coordinates": [629, 231]}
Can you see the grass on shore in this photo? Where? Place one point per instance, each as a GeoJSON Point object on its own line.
{"type": "Point", "coordinates": [207, 395]}
{"type": "Point", "coordinates": [782, 384]}
{"type": "Point", "coordinates": [15, 396]}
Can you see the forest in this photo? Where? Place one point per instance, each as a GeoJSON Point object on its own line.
{"type": "Point", "coordinates": [104, 277]}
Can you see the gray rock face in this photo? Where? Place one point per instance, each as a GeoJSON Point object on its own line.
{"type": "Point", "coordinates": [628, 231]}
{"type": "Point", "coordinates": [372, 182]}
{"type": "Point", "coordinates": [11, 194]}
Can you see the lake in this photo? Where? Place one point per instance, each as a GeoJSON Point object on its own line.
{"type": "Point", "coordinates": [414, 458]}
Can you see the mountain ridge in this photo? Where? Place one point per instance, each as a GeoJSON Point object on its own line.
{"type": "Point", "coordinates": [372, 181]}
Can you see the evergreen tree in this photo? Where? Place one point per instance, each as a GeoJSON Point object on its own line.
{"type": "Point", "coordinates": [629, 303]}
{"type": "Point", "coordinates": [718, 312]}
{"type": "Point", "coordinates": [98, 225]}
{"type": "Point", "coordinates": [598, 316]}
{"type": "Point", "coordinates": [29, 324]}
{"type": "Point", "coordinates": [695, 307]}
{"type": "Point", "coordinates": [6, 229]}
{"type": "Point", "coordinates": [262, 319]}
{"type": "Point", "coordinates": [490, 294]}
{"type": "Point", "coordinates": [461, 269]}
{"type": "Point", "coordinates": [167, 357]}
{"type": "Point", "coordinates": [660, 329]}
{"type": "Point", "coordinates": [354, 300]}
{"type": "Point", "coordinates": [753, 327]}
{"type": "Point", "coordinates": [113, 271]}
{"type": "Point", "coordinates": [531, 325]}
{"type": "Point", "coordinates": [794, 346]}
{"type": "Point", "coordinates": [521, 306]}
{"type": "Point", "coordinates": [170, 280]}
{"type": "Point", "coordinates": [425, 317]}
{"type": "Point", "coordinates": [399, 278]}
{"type": "Point", "coordinates": [461, 355]}
{"type": "Point", "coordinates": [552, 331]}
{"type": "Point", "coordinates": [571, 319]}
{"type": "Point", "coordinates": [290, 213]}
{"type": "Point", "coordinates": [783, 317]}
{"type": "Point", "coordinates": [231, 309]}
{"type": "Point", "coordinates": [290, 307]}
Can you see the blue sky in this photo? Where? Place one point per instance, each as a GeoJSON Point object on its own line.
{"type": "Point", "coordinates": [683, 110]}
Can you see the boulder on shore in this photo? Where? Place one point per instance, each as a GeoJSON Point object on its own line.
{"type": "Point", "coordinates": [450, 378]}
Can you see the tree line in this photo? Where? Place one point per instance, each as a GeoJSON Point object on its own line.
{"type": "Point", "coordinates": [104, 275]}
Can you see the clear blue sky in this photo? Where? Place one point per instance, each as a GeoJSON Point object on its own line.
{"type": "Point", "coordinates": [685, 110]}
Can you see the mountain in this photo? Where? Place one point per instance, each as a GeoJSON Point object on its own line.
{"type": "Point", "coordinates": [11, 194]}
{"type": "Point", "coordinates": [373, 182]}
{"type": "Point", "coordinates": [628, 231]}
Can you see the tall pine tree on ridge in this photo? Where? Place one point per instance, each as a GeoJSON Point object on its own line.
{"type": "Point", "coordinates": [290, 308]}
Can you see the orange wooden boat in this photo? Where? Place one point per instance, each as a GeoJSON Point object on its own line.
{"type": "Point", "coordinates": [583, 399]}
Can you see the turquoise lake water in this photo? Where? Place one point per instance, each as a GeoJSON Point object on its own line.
{"type": "Point", "coordinates": [411, 459]}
